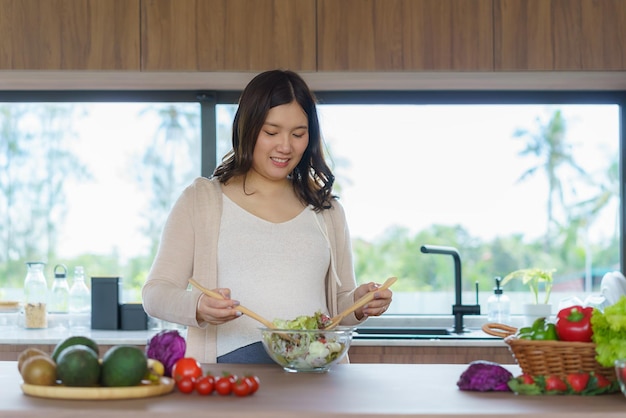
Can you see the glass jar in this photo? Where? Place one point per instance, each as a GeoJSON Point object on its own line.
{"type": "Point", "coordinates": [80, 302]}
{"type": "Point", "coordinates": [35, 296]}
{"type": "Point", "coordinates": [60, 295]}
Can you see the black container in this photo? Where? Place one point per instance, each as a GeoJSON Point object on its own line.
{"type": "Point", "coordinates": [105, 302]}
{"type": "Point", "coordinates": [133, 317]}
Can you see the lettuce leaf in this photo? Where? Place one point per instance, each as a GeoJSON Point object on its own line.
{"type": "Point", "coordinates": [302, 322]}
{"type": "Point", "coordinates": [609, 332]}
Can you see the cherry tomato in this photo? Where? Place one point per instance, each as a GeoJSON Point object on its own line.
{"type": "Point", "coordinates": [555, 384]}
{"type": "Point", "coordinates": [205, 385]}
{"type": "Point", "coordinates": [186, 367]}
{"type": "Point", "coordinates": [224, 385]}
{"type": "Point", "coordinates": [241, 388]}
{"type": "Point", "coordinates": [253, 382]}
{"type": "Point", "coordinates": [185, 384]}
{"type": "Point", "coordinates": [527, 379]}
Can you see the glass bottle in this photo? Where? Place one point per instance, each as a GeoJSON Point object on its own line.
{"type": "Point", "coordinates": [59, 297]}
{"type": "Point", "coordinates": [35, 296]}
{"type": "Point", "coordinates": [498, 305]}
{"type": "Point", "coordinates": [80, 302]}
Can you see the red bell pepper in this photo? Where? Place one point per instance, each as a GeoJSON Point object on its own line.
{"type": "Point", "coordinates": [574, 324]}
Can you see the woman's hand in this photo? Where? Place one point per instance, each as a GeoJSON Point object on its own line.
{"type": "Point", "coordinates": [380, 303]}
{"type": "Point", "coordinates": [217, 311]}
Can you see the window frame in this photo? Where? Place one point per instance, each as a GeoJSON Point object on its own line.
{"type": "Point", "coordinates": [210, 99]}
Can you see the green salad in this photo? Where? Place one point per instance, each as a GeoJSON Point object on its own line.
{"type": "Point", "coordinates": [305, 350]}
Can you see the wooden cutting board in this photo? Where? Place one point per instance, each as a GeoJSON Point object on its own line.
{"type": "Point", "coordinates": [166, 385]}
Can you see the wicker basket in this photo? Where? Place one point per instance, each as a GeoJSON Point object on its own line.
{"type": "Point", "coordinates": [543, 358]}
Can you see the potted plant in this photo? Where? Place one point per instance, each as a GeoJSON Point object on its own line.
{"type": "Point", "coordinates": [534, 278]}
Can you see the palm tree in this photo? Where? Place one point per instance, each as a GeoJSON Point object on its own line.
{"type": "Point", "coordinates": [583, 214]}
{"type": "Point", "coordinates": [170, 163]}
{"type": "Point", "coordinates": [548, 143]}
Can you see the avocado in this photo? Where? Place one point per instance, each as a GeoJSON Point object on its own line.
{"type": "Point", "coordinates": [123, 365]}
{"type": "Point", "coordinates": [78, 365]}
{"type": "Point", "coordinates": [73, 340]}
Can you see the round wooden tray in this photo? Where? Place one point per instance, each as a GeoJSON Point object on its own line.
{"type": "Point", "coordinates": [166, 385]}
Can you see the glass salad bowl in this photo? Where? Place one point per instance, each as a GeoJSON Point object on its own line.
{"type": "Point", "coordinates": [620, 371]}
{"type": "Point", "coordinates": [307, 350]}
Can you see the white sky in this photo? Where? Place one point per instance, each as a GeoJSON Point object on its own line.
{"type": "Point", "coordinates": [411, 171]}
{"type": "Point", "coordinates": [415, 171]}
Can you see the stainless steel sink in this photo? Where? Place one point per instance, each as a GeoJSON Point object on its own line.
{"type": "Point", "coordinates": [417, 333]}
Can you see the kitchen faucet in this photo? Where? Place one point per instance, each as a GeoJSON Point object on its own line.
{"type": "Point", "coordinates": [458, 309]}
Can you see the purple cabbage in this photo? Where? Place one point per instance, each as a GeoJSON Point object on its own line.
{"type": "Point", "coordinates": [168, 346]}
{"type": "Point", "coordinates": [485, 376]}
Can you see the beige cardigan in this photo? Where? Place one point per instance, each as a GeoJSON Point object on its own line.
{"type": "Point", "coordinates": [188, 248]}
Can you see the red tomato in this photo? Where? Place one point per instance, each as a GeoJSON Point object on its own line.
{"type": "Point", "coordinates": [253, 382]}
{"type": "Point", "coordinates": [186, 367]}
{"type": "Point", "coordinates": [602, 381]}
{"type": "Point", "coordinates": [185, 384]}
{"type": "Point", "coordinates": [224, 385]}
{"type": "Point", "coordinates": [554, 383]}
{"type": "Point", "coordinates": [578, 381]}
{"type": "Point", "coordinates": [205, 385]}
{"type": "Point", "coordinates": [527, 379]}
{"type": "Point", "coordinates": [241, 388]}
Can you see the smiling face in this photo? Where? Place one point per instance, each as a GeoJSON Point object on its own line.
{"type": "Point", "coordinates": [281, 142]}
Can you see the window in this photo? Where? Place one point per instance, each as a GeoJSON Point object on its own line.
{"type": "Point", "coordinates": [91, 184]}
{"type": "Point", "coordinates": [88, 180]}
{"type": "Point", "coordinates": [476, 177]}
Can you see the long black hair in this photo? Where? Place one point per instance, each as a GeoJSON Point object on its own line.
{"type": "Point", "coordinates": [312, 179]}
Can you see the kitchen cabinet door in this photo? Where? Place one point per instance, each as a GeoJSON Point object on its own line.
{"type": "Point", "coordinates": [404, 35]}
{"type": "Point", "coordinates": [560, 35]}
{"type": "Point", "coordinates": [228, 35]}
{"type": "Point", "coordinates": [69, 34]}
{"type": "Point", "coordinates": [603, 44]}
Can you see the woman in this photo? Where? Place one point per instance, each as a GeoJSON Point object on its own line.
{"type": "Point", "coordinates": [265, 228]}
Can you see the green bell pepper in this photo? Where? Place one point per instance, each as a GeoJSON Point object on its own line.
{"type": "Point", "coordinates": [540, 330]}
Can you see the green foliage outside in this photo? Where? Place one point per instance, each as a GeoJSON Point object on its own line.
{"type": "Point", "coordinates": [36, 163]}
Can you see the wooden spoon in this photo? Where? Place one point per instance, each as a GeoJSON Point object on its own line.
{"type": "Point", "coordinates": [335, 320]}
{"type": "Point", "coordinates": [239, 308]}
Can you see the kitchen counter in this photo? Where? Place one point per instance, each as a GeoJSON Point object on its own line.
{"type": "Point", "coordinates": [21, 336]}
{"type": "Point", "coordinates": [390, 349]}
{"type": "Point", "coordinates": [348, 390]}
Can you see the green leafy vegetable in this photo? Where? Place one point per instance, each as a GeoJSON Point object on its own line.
{"type": "Point", "coordinates": [585, 384]}
{"type": "Point", "coordinates": [317, 321]}
{"type": "Point", "coordinates": [609, 332]}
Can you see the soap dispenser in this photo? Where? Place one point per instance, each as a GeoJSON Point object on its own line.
{"type": "Point", "coordinates": [499, 305]}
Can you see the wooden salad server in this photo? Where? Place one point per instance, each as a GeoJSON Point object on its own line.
{"type": "Point", "coordinates": [335, 320]}
{"type": "Point", "coordinates": [239, 308]}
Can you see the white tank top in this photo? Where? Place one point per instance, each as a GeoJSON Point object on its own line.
{"type": "Point", "coordinates": [275, 269]}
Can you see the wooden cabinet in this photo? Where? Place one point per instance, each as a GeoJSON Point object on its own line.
{"type": "Point", "coordinates": [561, 35]}
{"type": "Point", "coordinates": [228, 35]}
{"type": "Point", "coordinates": [69, 34]}
{"type": "Point", "coordinates": [404, 35]}
{"type": "Point", "coordinates": [313, 35]}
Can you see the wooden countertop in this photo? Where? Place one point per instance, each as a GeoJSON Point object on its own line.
{"type": "Point", "coordinates": [373, 390]}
